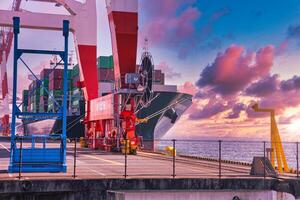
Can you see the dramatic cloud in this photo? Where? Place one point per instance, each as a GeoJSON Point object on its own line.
{"type": "Point", "coordinates": [236, 110]}
{"type": "Point", "coordinates": [234, 69]}
{"type": "Point", "coordinates": [282, 100]}
{"type": "Point", "coordinates": [237, 79]}
{"type": "Point", "coordinates": [275, 93]}
{"type": "Point", "coordinates": [291, 84]}
{"type": "Point", "coordinates": [213, 107]}
{"type": "Point", "coordinates": [168, 71]}
{"type": "Point", "coordinates": [263, 87]}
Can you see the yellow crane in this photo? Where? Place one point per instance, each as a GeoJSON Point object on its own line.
{"type": "Point", "coordinates": [276, 144]}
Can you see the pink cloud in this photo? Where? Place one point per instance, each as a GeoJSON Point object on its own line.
{"type": "Point", "coordinates": [169, 28]}
{"type": "Point", "coordinates": [213, 107]}
{"type": "Point", "coordinates": [188, 88]}
{"type": "Point", "coordinates": [234, 69]}
{"type": "Point", "coordinates": [276, 93]}
{"type": "Point", "coordinates": [264, 87]}
{"type": "Point", "coordinates": [281, 49]}
{"type": "Point", "coordinates": [168, 71]}
{"type": "Point", "coordinates": [169, 24]}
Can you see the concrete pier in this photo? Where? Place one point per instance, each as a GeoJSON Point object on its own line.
{"type": "Point", "coordinates": [200, 195]}
{"type": "Point", "coordinates": [100, 175]}
{"type": "Point", "coordinates": [102, 188]}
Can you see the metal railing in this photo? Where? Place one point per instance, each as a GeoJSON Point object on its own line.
{"type": "Point", "coordinates": [169, 159]}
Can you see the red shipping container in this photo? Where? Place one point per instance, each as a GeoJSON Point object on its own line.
{"type": "Point", "coordinates": [56, 74]}
{"type": "Point", "coordinates": [45, 73]}
{"type": "Point", "coordinates": [43, 100]}
{"type": "Point", "coordinates": [55, 84]}
{"type": "Point", "coordinates": [29, 101]}
{"type": "Point", "coordinates": [159, 76]}
{"type": "Point", "coordinates": [102, 108]}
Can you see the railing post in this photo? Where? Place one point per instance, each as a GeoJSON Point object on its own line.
{"type": "Point", "coordinates": [20, 158]}
{"type": "Point", "coordinates": [74, 159]}
{"type": "Point", "coordinates": [264, 160]}
{"type": "Point", "coordinates": [174, 159]}
{"type": "Point", "coordinates": [125, 173]}
{"type": "Point", "coordinates": [297, 157]}
{"type": "Point", "coordinates": [220, 159]}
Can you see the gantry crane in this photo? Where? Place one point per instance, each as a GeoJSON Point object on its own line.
{"type": "Point", "coordinates": [111, 116]}
{"type": "Point", "coordinates": [276, 144]}
{"type": "Point", "coordinates": [6, 35]}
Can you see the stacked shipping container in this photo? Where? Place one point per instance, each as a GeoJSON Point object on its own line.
{"type": "Point", "coordinates": [105, 69]}
{"type": "Point", "coordinates": [44, 75]}
{"type": "Point", "coordinates": [159, 77]}
{"type": "Point", "coordinates": [56, 89]}
{"type": "Point", "coordinates": [25, 101]}
{"type": "Point", "coordinates": [77, 101]}
{"type": "Point", "coordinates": [36, 99]}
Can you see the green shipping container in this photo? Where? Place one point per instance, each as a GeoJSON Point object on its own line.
{"type": "Point", "coordinates": [106, 62]}
{"type": "Point", "coordinates": [56, 93]}
{"type": "Point", "coordinates": [25, 97]}
{"type": "Point", "coordinates": [75, 71]}
{"type": "Point", "coordinates": [25, 93]}
{"type": "Point", "coordinates": [34, 107]}
{"type": "Point", "coordinates": [24, 108]}
{"type": "Point", "coordinates": [35, 99]}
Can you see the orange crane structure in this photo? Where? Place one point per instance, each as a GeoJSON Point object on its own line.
{"type": "Point", "coordinates": [276, 144]}
{"type": "Point", "coordinates": [6, 36]}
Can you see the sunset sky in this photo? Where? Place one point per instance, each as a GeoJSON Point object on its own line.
{"type": "Point", "coordinates": [228, 54]}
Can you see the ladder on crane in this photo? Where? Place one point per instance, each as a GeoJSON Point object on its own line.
{"type": "Point", "coordinates": [30, 158]}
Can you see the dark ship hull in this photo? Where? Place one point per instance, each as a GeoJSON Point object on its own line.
{"type": "Point", "coordinates": [163, 112]}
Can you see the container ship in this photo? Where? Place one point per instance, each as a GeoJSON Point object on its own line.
{"type": "Point", "coordinates": [162, 111]}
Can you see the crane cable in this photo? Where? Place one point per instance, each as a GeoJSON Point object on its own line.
{"type": "Point", "coordinates": [73, 122]}
{"type": "Point", "coordinates": [162, 110]}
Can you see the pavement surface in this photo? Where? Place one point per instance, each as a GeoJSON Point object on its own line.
{"type": "Point", "coordinates": [95, 164]}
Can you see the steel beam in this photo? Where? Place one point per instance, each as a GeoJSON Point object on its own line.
{"type": "Point", "coordinates": [34, 20]}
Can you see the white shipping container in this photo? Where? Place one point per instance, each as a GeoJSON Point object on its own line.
{"type": "Point", "coordinates": [105, 88]}
{"type": "Point", "coordinates": [164, 88]}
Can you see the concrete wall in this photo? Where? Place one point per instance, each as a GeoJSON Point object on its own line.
{"type": "Point", "coordinates": [199, 195]}
{"type": "Point", "coordinates": [97, 189]}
